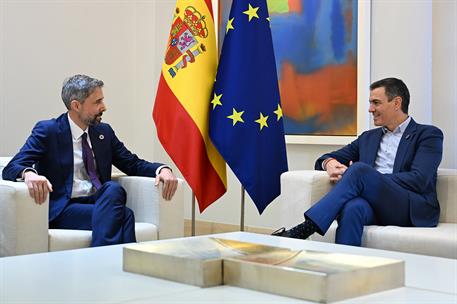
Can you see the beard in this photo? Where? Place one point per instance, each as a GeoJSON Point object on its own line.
{"type": "Point", "coordinates": [93, 121]}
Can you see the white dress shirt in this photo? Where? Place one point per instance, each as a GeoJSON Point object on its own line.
{"type": "Point", "coordinates": [388, 148]}
{"type": "Point", "coordinates": [82, 186]}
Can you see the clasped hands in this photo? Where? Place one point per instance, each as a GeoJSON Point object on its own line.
{"type": "Point", "coordinates": [335, 169]}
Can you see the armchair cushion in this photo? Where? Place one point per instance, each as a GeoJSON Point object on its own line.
{"type": "Point", "coordinates": [301, 189]}
{"type": "Point", "coordinates": [438, 241]}
{"type": "Point", "coordinates": [23, 224]}
{"type": "Point", "coordinates": [64, 239]}
{"type": "Point", "coordinates": [167, 215]}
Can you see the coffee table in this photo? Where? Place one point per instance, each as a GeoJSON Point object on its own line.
{"type": "Point", "coordinates": [95, 275]}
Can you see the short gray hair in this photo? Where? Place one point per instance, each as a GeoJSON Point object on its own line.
{"type": "Point", "coordinates": [79, 87]}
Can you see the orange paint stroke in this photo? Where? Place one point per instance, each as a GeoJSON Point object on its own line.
{"type": "Point", "coordinates": [295, 6]}
{"type": "Point", "coordinates": [304, 96]}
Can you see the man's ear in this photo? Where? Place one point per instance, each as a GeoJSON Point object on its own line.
{"type": "Point", "coordinates": [398, 100]}
{"type": "Point", "coordinates": [75, 105]}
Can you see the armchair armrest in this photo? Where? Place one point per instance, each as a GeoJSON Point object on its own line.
{"type": "Point", "coordinates": [24, 224]}
{"type": "Point", "coordinates": [148, 205]}
{"type": "Point", "coordinates": [299, 191]}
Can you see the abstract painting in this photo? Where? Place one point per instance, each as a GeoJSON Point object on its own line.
{"type": "Point", "coordinates": [315, 44]}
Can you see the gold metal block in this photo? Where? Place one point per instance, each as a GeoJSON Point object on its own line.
{"type": "Point", "coordinates": [310, 275]}
{"type": "Point", "coordinates": [196, 261]}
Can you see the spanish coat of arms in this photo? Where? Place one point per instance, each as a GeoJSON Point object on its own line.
{"type": "Point", "coordinates": [183, 45]}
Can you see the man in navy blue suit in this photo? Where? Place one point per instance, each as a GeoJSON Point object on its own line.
{"type": "Point", "coordinates": [387, 176]}
{"type": "Point", "coordinates": [70, 158]}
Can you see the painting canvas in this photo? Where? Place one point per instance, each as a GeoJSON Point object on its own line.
{"type": "Point", "coordinates": [315, 44]}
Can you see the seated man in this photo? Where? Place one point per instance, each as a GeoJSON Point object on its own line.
{"type": "Point", "coordinates": [387, 176]}
{"type": "Point", "coordinates": [71, 157]}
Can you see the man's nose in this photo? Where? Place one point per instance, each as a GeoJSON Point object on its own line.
{"type": "Point", "coordinates": [371, 108]}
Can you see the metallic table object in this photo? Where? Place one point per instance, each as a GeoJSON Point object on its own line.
{"type": "Point", "coordinates": [310, 275]}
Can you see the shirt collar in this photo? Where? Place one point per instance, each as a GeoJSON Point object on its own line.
{"type": "Point", "coordinates": [400, 129]}
{"type": "Point", "coordinates": [76, 131]}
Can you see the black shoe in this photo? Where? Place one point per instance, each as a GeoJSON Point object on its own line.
{"type": "Point", "coordinates": [280, 232]}
{"type": "Point", "coordinates": [285, 233]}
{"type": "Point", "coordinates": [300, 231]}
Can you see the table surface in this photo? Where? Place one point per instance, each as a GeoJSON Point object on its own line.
{"type": "Point", "coordinates": [94, 275]}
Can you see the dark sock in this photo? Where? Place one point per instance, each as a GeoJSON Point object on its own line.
{"type": "Point", "coordinates": [303, 230]}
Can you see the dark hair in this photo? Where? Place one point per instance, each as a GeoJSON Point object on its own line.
{"type": "Point", "coordinates": [394, 87]}
{"type": "Point", "coordinates": [78, 87]}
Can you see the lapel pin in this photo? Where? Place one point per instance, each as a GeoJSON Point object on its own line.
{"type": "Point", "coordinates": [407, 136]}
{"type": "Point", "coordinates": [103, 137]}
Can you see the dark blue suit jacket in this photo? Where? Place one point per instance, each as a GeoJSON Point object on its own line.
{"type": "Point", "coordinates": [418, 157]}
{"type": "Point", "coordinates": [50, 150]}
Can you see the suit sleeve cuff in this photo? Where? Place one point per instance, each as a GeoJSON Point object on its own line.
{"type": "Point", "coordinates": [325, 162]}
{"type": "Point", "coordinates": [21, 179]}
{"type": "Point", "coordinates": [160, 168]}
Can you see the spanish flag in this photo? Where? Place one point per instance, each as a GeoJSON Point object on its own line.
{"type": "Point", "coordinates": [181, 109]}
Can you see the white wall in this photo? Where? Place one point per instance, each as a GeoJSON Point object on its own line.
{"type": "Point", "coordinates": [42, 42]}
{"type": "Point", "coordinates": [444, 73]}
{"type": "Point", "coordinates": [122, 42]}
{"type": "Point", "coordinates": [401, 47]}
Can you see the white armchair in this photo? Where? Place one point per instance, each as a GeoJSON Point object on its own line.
{"type": "Point", "coordinates": [24, 224]}
{"type": "Point", "coordinates": [301, 189]}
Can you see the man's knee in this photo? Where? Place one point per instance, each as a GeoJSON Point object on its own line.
{"type": "Point", "coordinates": [129, 215]}
{"type": "Point", "coordinates": [354, 209]}
{"type": "Point", "coordinates": [360, 168]}
{"type": "Point", "coordinates": [360, 171]}
{"type": "Point", "coordinates": [116, 191]}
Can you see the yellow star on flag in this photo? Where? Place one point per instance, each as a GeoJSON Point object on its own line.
{"type": "Point", "coordinates": [236, 116]}
{"type": "Point", "coordinates": [278, 112]}
{"type": "Point", "coordinates": [262, 121]}
{"type": "Point", "coordinates": [251, 12]}
{"type": "Point", "coordinates": [216, 101]}
{"type": "Point", "coordinates": [229, 25]}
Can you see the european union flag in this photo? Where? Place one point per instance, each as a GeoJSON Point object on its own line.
{"type": "Point", "coordinates": [246, 123]}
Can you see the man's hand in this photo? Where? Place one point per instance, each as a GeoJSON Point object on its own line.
{"type": "Point", "coordinates": [170, 183]}
{"type": "Point", "coordinates": [38, 186]}
{"type": "Point", "coordinates": [335, 170]}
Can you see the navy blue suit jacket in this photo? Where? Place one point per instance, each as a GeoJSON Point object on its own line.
{"type": "Point", "coordinates": [50, 150]}
{"type": "Point", "coordinates": [416, 162]}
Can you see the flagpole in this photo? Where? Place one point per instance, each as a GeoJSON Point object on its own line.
{"type": "Point", "coordinates": [242, 209]}
{"type": "Point", "coordinates": [193, 213]}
